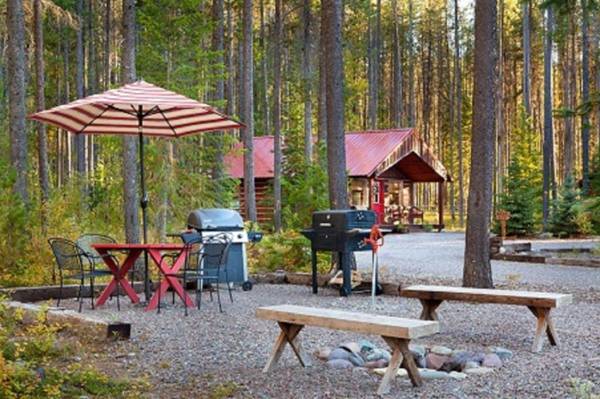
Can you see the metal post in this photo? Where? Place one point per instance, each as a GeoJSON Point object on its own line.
{"type": "Point", "coordinates": [143, 200]}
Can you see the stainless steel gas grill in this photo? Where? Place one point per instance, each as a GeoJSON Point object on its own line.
{"type": "Point", "coordinates": [213, 221]}
{"type": "Point", "coordinates": [341, 231]}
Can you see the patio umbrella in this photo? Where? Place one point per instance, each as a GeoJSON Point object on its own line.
{"type": "Point", "coordinates": [141, 109]}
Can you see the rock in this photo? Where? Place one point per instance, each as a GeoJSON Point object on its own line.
{"type": "Point", "coordinates": [470, 365]}
{"type": "Point", "coordinates": [458, 360]}
{"type": "Point", "coordinates": [366, 345]}
{"type": "Point", "coordinates": [323, 353]}
{"type": "Point", "coordinates": [351, 347]}
{"type": "Point", "coordinates": [491, 360]}
{"type": "Point", "coordinates": [545, 236]}
{"type": "Point", "coordinates": [356, 360]}
{"type": "Point", "coordinates": [376, 354]}
{"type": "Point", "coordinates": [503, 353]}
{"type": "Point", "coordinates": [401, 372]}
{"type": "Point", "coordinates": [377, 364]}
{"type": "Point", "coordinates": [421, 363]}
{"type": "Point", "coordinates": [479, 370]}
{"type": "Point", "coordinates": [418, 350]}
{"type": "Point", "coordinates": [340, 364]}
{"type": "Point", "coordinates": [428, 374]}
{"type": "Point", "coordinates": [339, 353]}
{"type": "Point", "coordinates": [441, 350]}
{"type": "Point", "coordinates": [457, 375]}
{"type": "Point", "coordinates": [435, 362]}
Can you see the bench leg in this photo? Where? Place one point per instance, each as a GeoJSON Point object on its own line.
{"type": "Point", "coordinates": [401, 356]}
{"type": "Point", "coordinates": [429, 307]}
{"type": "Point", "coordinates": [289, 334]}
{"type": "Point", "coordinates": [544, 324]}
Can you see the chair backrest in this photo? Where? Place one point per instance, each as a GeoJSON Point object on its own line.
{"type": "Point", "coordinates": [216, 250]}
{"type": "Point", "coordinates": [67, 254]}
{"type": "Point", "coordinates": [85, 242]}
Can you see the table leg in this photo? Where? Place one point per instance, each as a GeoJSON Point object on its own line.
{"type": "Point", "coordinates": [120, 274]}
{"type": "Point", "coordinates": [169, 281]}
{"type": "Point", "coordinates": [429, 307]}
{"type": "Point", "coordinates": [544, 325]}
{"type": "Point", "coordinates": [288, 335]}
{"type": "Point", "coordinates": [393, 366]}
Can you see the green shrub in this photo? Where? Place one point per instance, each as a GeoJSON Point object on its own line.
{"type": "Point", "coordinates": [567, 211]}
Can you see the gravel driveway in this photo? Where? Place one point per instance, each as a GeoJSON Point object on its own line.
{"type": "Point", "coordinates": [440, 255]}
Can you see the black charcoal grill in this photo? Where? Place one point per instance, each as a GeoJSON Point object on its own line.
{"type": "Point", "coordinates": [213, 221]}
{"type": "Point", "coordinates": [341, 231]}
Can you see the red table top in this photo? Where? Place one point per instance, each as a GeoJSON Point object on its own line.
{"type": "Point", "coordinates": [160, 247]}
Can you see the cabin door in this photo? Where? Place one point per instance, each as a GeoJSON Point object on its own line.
{"type": "Point", "coordinates": [377, 199]}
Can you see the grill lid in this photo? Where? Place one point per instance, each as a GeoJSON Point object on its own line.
{"type": "Point", "coordinates": [215, 219]}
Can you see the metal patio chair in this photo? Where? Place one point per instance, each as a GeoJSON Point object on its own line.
{"type": "Point", "coordinates": [94, 259]}
{"type": "Point", "coordinates": [69, 258]}
{"type": "Point", "coordinates": [204, 262]}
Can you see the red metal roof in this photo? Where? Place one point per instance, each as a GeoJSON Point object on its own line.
{"type": "Point", "coordinates": [365, 151]}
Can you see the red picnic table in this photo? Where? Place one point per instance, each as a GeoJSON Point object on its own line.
{"type": "Point", "coordinates": [133, 252]}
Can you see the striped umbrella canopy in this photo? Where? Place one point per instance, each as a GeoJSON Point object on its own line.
{"type": "Point", "coordinates": [141, 109]}
{"type": "Point", "coordinates": [134, 107]}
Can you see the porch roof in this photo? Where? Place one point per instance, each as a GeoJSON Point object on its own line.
{"type": "Point", "coordinates": [368, 154]}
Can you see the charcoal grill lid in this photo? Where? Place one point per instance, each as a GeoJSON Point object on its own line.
{"type": "Point", "coordinates": [215, 219]}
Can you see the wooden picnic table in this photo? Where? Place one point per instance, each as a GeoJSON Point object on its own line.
{"type": "Point", "coordinates": [134, 251]}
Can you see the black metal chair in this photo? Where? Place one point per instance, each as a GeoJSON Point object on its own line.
{"type": "Point", "coordinates": [69, 258]}
{"type": "Point", "coordinates": [94, 259]}
{"type": "Point", "coordinates": [204, 262]}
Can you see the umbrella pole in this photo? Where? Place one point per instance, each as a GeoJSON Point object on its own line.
{"type": "Point", "coordinates": [143, 201]}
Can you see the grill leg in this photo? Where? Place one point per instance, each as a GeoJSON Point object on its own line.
{"type": "Point", "coordinates": [347, 273]}
{"type": "Point", "coordinates": [315, 284]}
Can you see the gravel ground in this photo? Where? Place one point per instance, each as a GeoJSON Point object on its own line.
{"type": "Point", "coordinates": [209, 354]}
{"type": "Point", "coordinates": [440, 255]}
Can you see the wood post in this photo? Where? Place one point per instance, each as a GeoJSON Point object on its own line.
{"type": "Point", "coordinates": [544, 325]}
{"type": "Point", "coordinates": [440, 206]}
{"type": "Point", "coordinates": [401, 356]}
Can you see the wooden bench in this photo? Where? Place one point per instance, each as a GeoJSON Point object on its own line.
{"type": "Point", "coordinates": [540, 304]}
{"type": "Point", "coordinates": [397, 332]}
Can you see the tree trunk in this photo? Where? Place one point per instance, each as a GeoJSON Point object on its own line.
{"type": "Point", "coordinates": [548, 147]}
{"type": "Point", "coordinates": [585, 97]}
{"type": "Point", "coordinates": [40, 105]}
{"type": "Point", "coordinates": [396, 100]}
{"type": "Point", "coordinates": [264, 70]}
{"type": "Point", "coordinates": [130, 143]}
{"type": "Point", "coordinates": [331, 25]}
{"type": "Point", "coordinates": [373, 60]}
{"type": "Point", "coordinates": [500, 131]}
{"type": "Point", "coordinates": [278, 33]}
{"type": "Point", "coordinates": [477, 267]}
{"type": "Point", "coordinates": [230, 66]}
{"type": "Point", "coordinates": [248, 111]}
{"type": "Point", "coordinates": [526, 6]}
{"type": "Point", "coordinates": [322, 134]}
{"type": "Point", "coordinates": [569, 87]}
{"type": "Point", "coordinates": [15, 70]}
{"type": "Point", "coordinates": [307, 78]}
{"type": "Point", "coordinates": [459, 127]}
{"type": "Point", "coordinates": [218, 94]}
{"type": "Point", "coordinates": [79, 87]}
{"type": "Point", "coordinates": [107, 31]}
{"type": "Point", "coordinates": [411, 67]}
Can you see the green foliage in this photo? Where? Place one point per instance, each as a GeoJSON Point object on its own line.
{"type": "Point", "coordinates": [35, 364]}
{"type": "Point", "coordinates": [566, 210]}
{"type": "Point", "coordinates": [522, 196]}
{"type": "Point", "coordinates": [592, 202]}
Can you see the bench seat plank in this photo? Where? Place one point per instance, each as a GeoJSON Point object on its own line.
{"type": "Point", "coordinates": [350, 321]}
{"type": "Point", "coordinates": [509, 297]}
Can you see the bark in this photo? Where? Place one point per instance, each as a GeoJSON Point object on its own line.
{"type": "Point", "coordinates": [278, 33]}
{"type": "Point", "coordinates": [68, 164]}
{"type": "Point", "coordinates": [40, 105]}
{"type": "Point", "coordinates": [334, 65]}
{"type": "Point", "coordinates": [218, 93]}
{"type": "Point", "coordinates": [477, 267]}
{"type": "Point", "coordinates": [374, 54]}
{"type": "Point", "coordinates": [500, 131]}
{"type": "Point", "coordinates": [459, 127]}
{"type": "Point", "coordinates": [265, 74]}
{"type": "Point", "coordinates": [107, 30]}
{"type": "Point", "coordinates": [130, 143]}
{"type": "Point", "coordinates": [92, 80]}
{"type": "Point", "coordinates": [15, 70]}
{"type": "Point", "coordinates": [307, 78]}
{"type": "Point", "coordinates": [526, 6]}
{"type": "Point", "coordinates": [228, 49]}
{"type": "Point", "coordinates": [569, 86]}
{"type": "Point", "coordinates": [396, 103]}
{"type": "Point", "coordinates": [411, 68]}
{"type": "Point", "coordinates": [322, 134]}
{"type": "Point", "coordinates": [248, 111]}
{"type": "Point", "coordinates": [585, 94]}
{"type": "Point", "coordinates": [79, 86]}
{"type": "Point", "coordinates": [548, 146]}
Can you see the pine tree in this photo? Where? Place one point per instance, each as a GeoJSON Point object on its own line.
{"type": "Point", "coordinates": [522, 195]}
{"type": "Point", "coordinates": [565, 210]}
